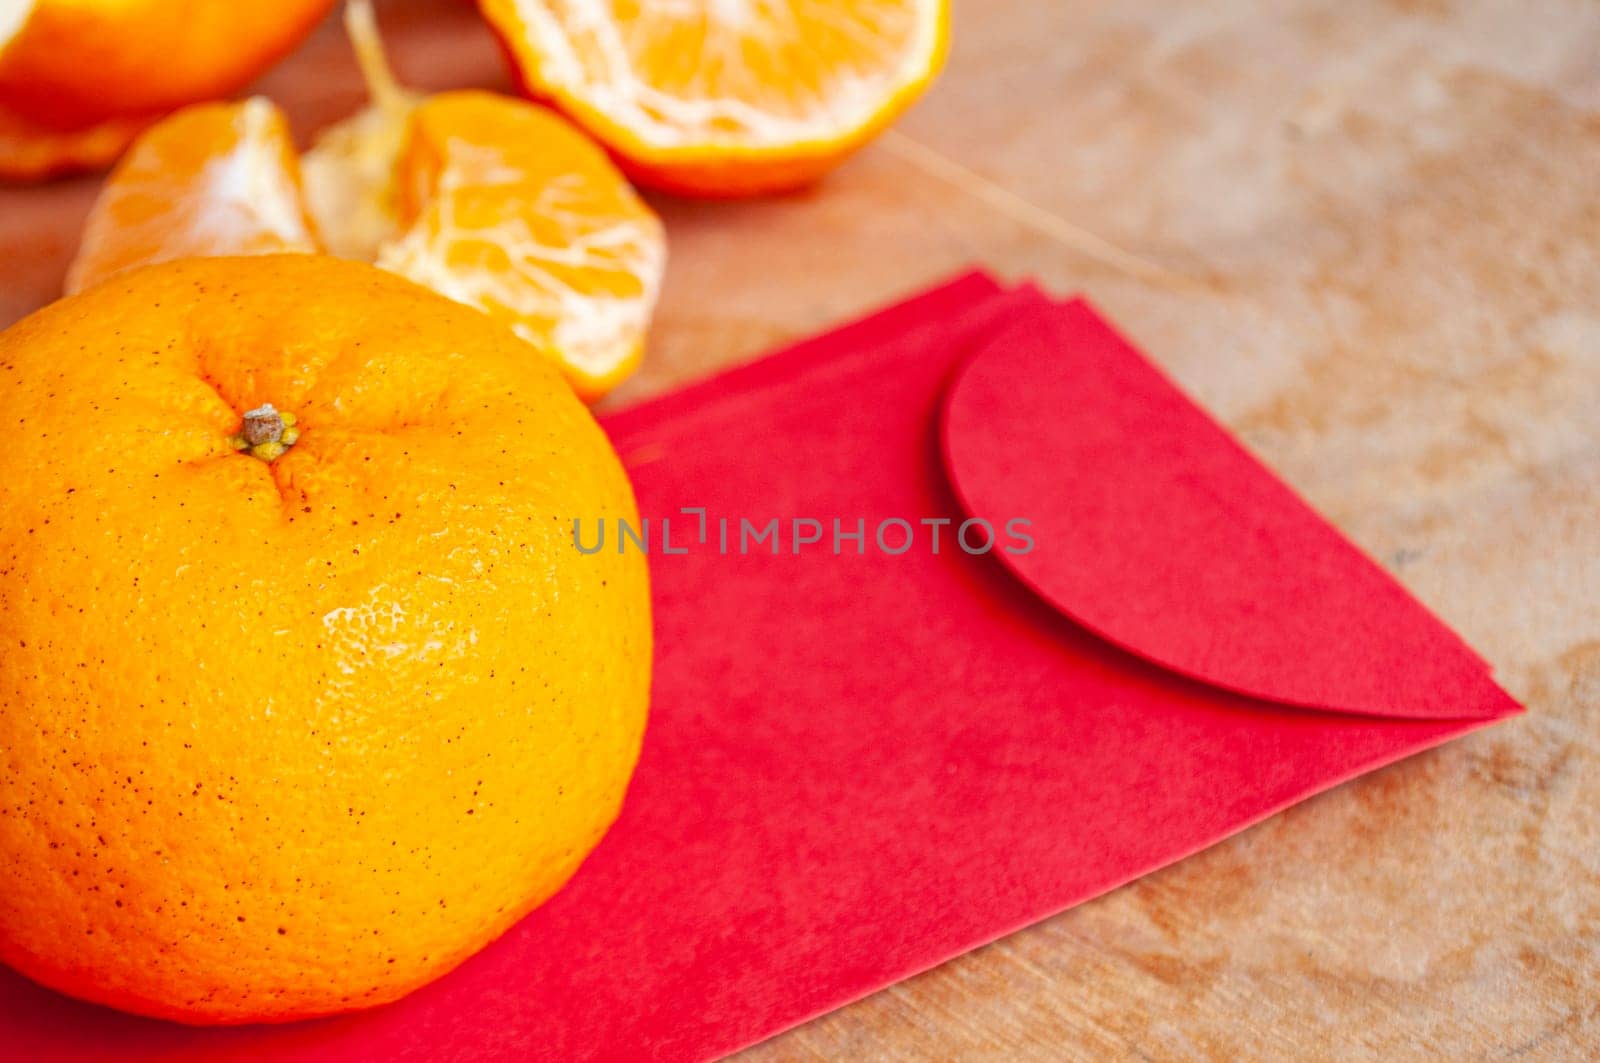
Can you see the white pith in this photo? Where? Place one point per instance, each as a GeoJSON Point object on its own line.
{"type": "Point", "coordinates": [351, 193]}
{"type": "Point", "coordinates": [507, 208]}
{"type": "Point", "coordinates": [349, 182]}
{"type": "Point", "coordinates": [13, 15]}
{"type": "Point", "coordinates": [246, 191]}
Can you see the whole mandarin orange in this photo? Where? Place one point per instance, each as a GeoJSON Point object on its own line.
{"type": "Point", "coordinates": [298, 709]}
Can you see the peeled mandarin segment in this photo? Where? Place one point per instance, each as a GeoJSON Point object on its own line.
{"type": "Point", "coordinates": [349, 177]}
{"type": "Point", "coordinates": [498, 204]}
{"type": "Point", "coordinates": [76, 63]}
{"type": "Point", "coordinates": [506, 207]}
{"type": "Point", "coordinates": [215, 179]}
{"type": "Point", "coordinates": [727, 98]}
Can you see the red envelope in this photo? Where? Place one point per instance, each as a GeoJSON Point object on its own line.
{"type": "Point", "coordinates": [861, 764]}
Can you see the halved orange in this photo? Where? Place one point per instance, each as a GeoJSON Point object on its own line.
{"type": "Point", "coordinates": [726, 97]}
{"type": "Point", "coordinates": [494, 202]}
{"type": "Point", "coordinates": [79, 78]}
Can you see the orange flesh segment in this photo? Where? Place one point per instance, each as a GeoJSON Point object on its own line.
{"type": "Point", "coordinates": [350, 173]}
{"type": "Point", "coordinates": [506, 207]}
{"type": "Point", "coordinates": [214, 179]}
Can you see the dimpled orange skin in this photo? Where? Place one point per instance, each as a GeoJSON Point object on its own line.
{"type": "Point", "coordinates": [291, 738]}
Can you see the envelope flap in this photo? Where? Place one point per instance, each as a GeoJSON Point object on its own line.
{"type": "Point", "coordinates": [1153, 528]}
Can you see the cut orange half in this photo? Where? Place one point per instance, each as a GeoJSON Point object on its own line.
{"type": "Point", "coordinates": [213, 179]}
{"type": "Point", "coordinates": [496, 203]}
{"type": "Point", "coordinates": [726, 97]}
{"type": "Point", "coordinates": [79, 78]}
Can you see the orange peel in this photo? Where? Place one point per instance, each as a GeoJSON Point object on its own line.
{"type": "Point", "coordinates": [80, 78]}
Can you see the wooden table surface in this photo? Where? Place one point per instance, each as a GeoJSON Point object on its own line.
{"type": "Point", "coordinates": [1367, 235]}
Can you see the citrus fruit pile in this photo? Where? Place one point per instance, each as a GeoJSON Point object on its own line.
{"type": "Point", "coordinates": [297, 726]}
